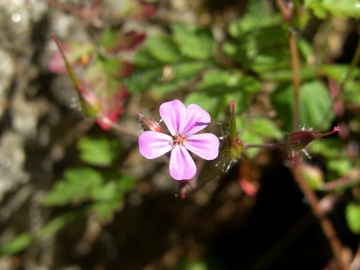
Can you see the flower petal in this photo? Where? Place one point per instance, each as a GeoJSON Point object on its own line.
{"type": "Point", "coordinates": [154, 144]}
{"type": "Point", "coordinates": [205, 145]}
{"type": "Point", "coordinates": [182, 166]}
{"type": "Point", "coordinates": [173, 113]}
{"type": "Point", "coordinates": [196, 120]}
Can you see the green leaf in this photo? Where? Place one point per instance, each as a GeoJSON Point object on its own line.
{"type": "Point", "coordinates": [142, 80]}
{"type": "Point", "coordinates": [95, 151]}
{"type": "Point", "coordinates": [19, 243]}
{"type": "Point", "coordinates": [286, 75]}
{"type": "Point", "coordinates": [343, 8]}
{"type": "Point", "coordinates": [305, 48]}
{"type": "Point", "coordinates": [166, 88]}
{"type": "Point", "coordinates": [164, 49]}
{"type": "Point", "coordinates": [248, 134]}
{"type": "Point", "coordinates": [315, 103]}
{"type": "Point", "coordinates": [109, 191]}
{"type": "Point", "coordinates": [215, 79]}
{"type": "Point", "coordinates": [339, 72]}
{"type": "Point", "coordinates": [353, 217]}
{"type": "Point", "coordinates": [104, 210]}
{"type": "Point", "coordinates": [312, 175]}
{"type": "Point", "coordinates": [258, 15]}
{"type": "Point", "coordinates": [340, 166]}
{"type": "Point", "coordinates": [192, 43]}
{"type": "Point", "coordinates": [190, 68]}
{"type": "Point", "coordinates": [213, 104]}
{"type": "Point", "coordinates": [144, 59]}
{"type": "Point", "coordinates": [330, 148]}
{"type": "Point", "coordinates": [265, 127]}
{"type": "Point", "coordinates": [183, 74]}
{"type": "Point", "coordinates": [58, 223]}
{"type": "Point", "coordinates": [125, 183]}
{"type": "Point", "coordinates": [76, 187]}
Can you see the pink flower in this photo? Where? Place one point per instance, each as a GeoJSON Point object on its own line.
{"type": "Point", "coordinates": [182, 123]}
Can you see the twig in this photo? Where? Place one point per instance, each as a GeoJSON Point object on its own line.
{"type": "Point", "coordinates": [296, 77]}
{"type": "Point", "coordinates": [325, 223]}
{"type": "Point", "coordinates": [119, 128]}
{"type": "Point", "coordinates": [352, 178]}
{"type": "Point", "coordinates": [266, 145]}
{"type": "Point", "coordinates": [355, 265]}
{"type": "Point", "coordinates": [286, 12]}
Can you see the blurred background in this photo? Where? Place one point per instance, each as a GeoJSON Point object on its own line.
{"type": "Point", "coordinates": [76, 194]}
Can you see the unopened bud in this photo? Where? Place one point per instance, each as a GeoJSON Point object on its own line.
{"type": "Point", "coordinates": [149, 124]}
{"type": "Point", "coordinates": [90, 105]}
{"type": "Point", "coordinates": [233, 147]}
{"type": "Point", "coordinates": [300, 139]}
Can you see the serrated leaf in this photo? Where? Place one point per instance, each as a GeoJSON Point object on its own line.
{"type": "Point", "coordinates": [95, 151]}
{"type": "Point", "coordinates": [193, 44]}
{"type": "Point", "coordinates": [164, 49]}
{"type": "Point", "coordinates": [258, 15]}
{"type": "Point", "coordinates": [19, 243]}
{"type": "Point", "coordinates": [353, 217]}
{"type": "Point", "coordinates": [77, 186]}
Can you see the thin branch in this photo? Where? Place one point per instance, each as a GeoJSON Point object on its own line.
{"type": "Point", "coordinates": [352, 178]}
{"type": "Point", "coordinates": [286, 12]}
{"type": "Point", "coordinates": [355, 265]}
{"type": "Point", "coordinates": [119, 128]}
{"type": "Point", "coordinates": [353, 65]}
{"type": "Point", "coordinates": [326, 225]}
{"type": "Point", "coordinates": [266, 145]}
{"type": "Point", "coordinates": [296, 77]}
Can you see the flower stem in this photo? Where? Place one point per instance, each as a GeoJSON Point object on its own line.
{"type": "Point", "coordinates": [296, 78]}
{"type": "Point", "coordinates": [119, 128]}
{"type": "Point", "coordinates": [286, 12]}
{"type": "Point", "coordinates": [266, 145]}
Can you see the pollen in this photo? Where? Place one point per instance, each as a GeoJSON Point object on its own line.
{"type": "Point", "coordinates": [179, 139]}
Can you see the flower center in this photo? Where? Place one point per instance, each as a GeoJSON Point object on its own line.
{"type": "Point", "coordinates": [179, 139]}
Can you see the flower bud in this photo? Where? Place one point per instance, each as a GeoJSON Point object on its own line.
{"type": "Point", "coordinates": [232, 147]}
{"type": "Point", "coordinates": [149, 124]}
{"type": "Point", "coordinates": [90, 105]}
{"type": "Point", "coordinates": [300, 139]}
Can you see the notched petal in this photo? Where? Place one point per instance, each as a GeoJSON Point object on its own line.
{"type": "Point", "coordinates": [154, 144]}
{"type": "Point", "coordinates": [205, 145]}
{"type": "Point", "coordinates": [182, 166]}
